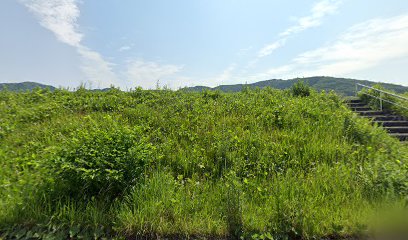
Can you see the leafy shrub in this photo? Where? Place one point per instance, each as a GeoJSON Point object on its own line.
{"type": "Point", "coordinates": [103, 160]}
{"type": "Point", "coordinates": [354, 132]}
{"type": "Point", "coordinates": [300, 89]}
{"type": "Point", "coordinates": [208, 94]}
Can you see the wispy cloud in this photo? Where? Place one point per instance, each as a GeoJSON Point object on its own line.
{"type": "Point", "coordinates": [61, 18]}
{"type": "Point", "coordinates": [58, 16]}
{"type": "Point", "coordinates": [277, 72]}
{"type": "Point", "coordinates": [147, 74]}
{"type": "Point", "coordinates": [224, 77]}
{"type": "Point", "coordinates": [98, 70]}
{"type": "Point", "coordinates": [268, 49]}
{"type": "Point", "coordinates": [125, 48]}
{"type": "Point", "coordinates": [363, 46]}
{"type": "Point", "coordinates": [320, 10]}
{"type": "Point", "coordinates": [244, 51]}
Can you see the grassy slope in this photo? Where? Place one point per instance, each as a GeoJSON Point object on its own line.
{"type": "Point", "coordinates": [254, 163]}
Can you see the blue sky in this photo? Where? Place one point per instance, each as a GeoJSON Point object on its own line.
{"type": "Point", "coordinates": [179, 43]}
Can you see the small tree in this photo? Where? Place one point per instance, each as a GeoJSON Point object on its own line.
{"type": "Point", "coordinates": [300, 89]}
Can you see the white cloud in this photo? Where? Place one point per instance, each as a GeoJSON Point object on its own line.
{"type": "Point", "coordinates": [124, 48]}
{"type": "Point", "coordinates": [223, 78]}
{"type": "Point", "coordinates": [362, 46]}
{"type": "Point", "coordinates": [318, 12]}
{"type": "Point", "coordinates": [268, 50]}
{"type": "Point", "coordinates": [61, 17]}
{"type": "Point", "coordinates": [58, 16]}
{"type": "Point", "coordinates": [98, 71]}
{"type": "Point", "coordinates": [227, 76]}
{"type": "Point", "coordinates": [285, 71]}
{"type": "Point", "coordinates": [147, 74]}
{"type": "Point", "coordinates": [244, 51]}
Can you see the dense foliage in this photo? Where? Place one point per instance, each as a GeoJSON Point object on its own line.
{"type": "Point", "coordinates": [103, 160]}
{"type": "Point", "coordinates": [257, 164]}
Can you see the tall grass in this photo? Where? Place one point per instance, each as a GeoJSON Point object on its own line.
{"type": "Point", "coordinates": [256, 164]}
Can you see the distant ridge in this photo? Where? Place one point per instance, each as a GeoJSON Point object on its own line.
{"type": "Point", "coordinates": [343, 86]}
{"type": "Point", "coordinates": [24, 86]}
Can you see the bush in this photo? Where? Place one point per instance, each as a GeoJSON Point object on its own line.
{"type": "Point", "coordinates": [300, 89]}
{"type": "Point", "coordinates": [208, 94]}
{"type": "Point", "coordinates": [103, 160]}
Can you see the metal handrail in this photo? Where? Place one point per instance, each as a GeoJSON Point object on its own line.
{"type": "Point", "coordinates": [381, 97]}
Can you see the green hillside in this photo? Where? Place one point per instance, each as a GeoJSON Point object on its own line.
{"type": "Point", "coordinates": [256, 164]}
{"type": "Point", "coordinates": [24, 86]}
{"type": "Point", "coordinates": [341, 86]}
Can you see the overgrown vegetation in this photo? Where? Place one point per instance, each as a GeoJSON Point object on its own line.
{"type": "Point", "coordinates": [390, 103]}
{"type": "Point", "coordinates": [257, 164]}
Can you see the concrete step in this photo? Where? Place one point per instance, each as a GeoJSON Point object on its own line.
{"type": "Point", "coordinates": [370, 113]}
{"type": "Point", "coordinates": [393, 123]}
{"type": "Point", "coordinates": [396, 126]}
{"type": "Point", "coordinates": [397, 129]}
{"type": "Point", "coordinates": [354, 101]}
{"type": "Point", "coordinates": [351, 105]}
{"type": "Point", "coordinates": [400, 136]}
{"type": "Point", "coordinates": [361, 108]}
{"type": "Point", "coordinates": [386, 117]}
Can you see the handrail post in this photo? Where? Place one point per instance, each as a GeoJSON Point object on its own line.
{"type": "Point", "coordinates": [381, 102]}
{"type": "Point", "coordinates": [356, 90]}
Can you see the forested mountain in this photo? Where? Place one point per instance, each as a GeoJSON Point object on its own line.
{"type": "Point", "coordinates": [24, 86]}
{"type": "Point", "coordinates": [343, 86]}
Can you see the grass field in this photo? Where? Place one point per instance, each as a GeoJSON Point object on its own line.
{"type": "Point", "coordinates": [257, 164]}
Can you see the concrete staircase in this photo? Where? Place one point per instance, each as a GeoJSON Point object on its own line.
{"type": "Point", "coordinates": [395, 125]}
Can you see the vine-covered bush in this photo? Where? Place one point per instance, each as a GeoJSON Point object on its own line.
{"type": "Point", "coordinates": [104, 159]}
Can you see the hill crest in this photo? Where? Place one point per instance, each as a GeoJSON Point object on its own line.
{"type": "Point", "coordinates": [343, 86]}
